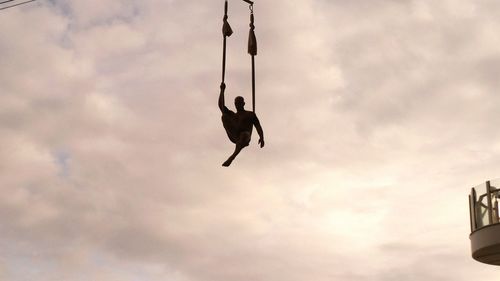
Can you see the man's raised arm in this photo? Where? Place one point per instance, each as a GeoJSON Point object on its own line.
{"type": "Point", "coordinates": [221, 97]}
{"type": "Point", "coordinates": [259, 131]}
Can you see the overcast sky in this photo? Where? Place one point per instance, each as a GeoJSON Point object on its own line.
{"type": "Point", "coordinates": [379, 116]}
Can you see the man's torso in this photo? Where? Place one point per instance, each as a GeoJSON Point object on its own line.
{"type": "Point", "coordinates": [243, 120]}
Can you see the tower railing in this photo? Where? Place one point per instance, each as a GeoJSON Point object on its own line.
{"type": "Point", "coordinates": [484, 208]}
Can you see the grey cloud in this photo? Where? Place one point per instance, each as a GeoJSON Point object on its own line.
{"type": "Point", "coordinates": [375, 114]}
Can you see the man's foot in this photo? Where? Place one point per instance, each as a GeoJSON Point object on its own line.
{"type": "Point", "coordinates": [227, 163]}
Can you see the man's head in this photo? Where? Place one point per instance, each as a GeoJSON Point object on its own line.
{"type": "Point", "coordinates": [239, 102]}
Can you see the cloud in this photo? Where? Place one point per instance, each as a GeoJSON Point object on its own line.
{"type": "Point", "coordinates": [378, 117]}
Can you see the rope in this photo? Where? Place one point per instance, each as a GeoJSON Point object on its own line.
{"type": "Point", "coordinates": [3, 2]}
{"type": "Point", "coordinates": [15, 5]}
{"type": "Point", "coordinates": [253, 84]}
{"type": "Point", "coordinates": [252, 45]}
{"type": "Point", "coordinates": [226, 32]}
{"type": "Point", "coordinates": [252, 50]}
{"type": "Point", "coordinates": [224, 60]}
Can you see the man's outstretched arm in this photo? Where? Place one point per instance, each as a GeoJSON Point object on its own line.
{"type": "Point", "coordinates": [221, 97]}
{"type": "Point", "coordinates": [259, 131]}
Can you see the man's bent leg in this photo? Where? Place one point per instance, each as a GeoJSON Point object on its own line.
{"type": "Point", "coordinates": [229, 126]}
{"type": "Point", "coordinates": [243, 141]}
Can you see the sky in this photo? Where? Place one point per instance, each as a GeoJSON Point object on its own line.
{"type": "Point", "coordinates": [378, 115]}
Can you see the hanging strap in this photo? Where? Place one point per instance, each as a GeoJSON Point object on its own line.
{"type": "Point", "coordinates": [226, 32]}
{"type": "Point", "coordinates": [252, 50]}
{"type": "Point", "coordinates": [252, 45]}
{"type": "Point", "coordinates": [252, 40]}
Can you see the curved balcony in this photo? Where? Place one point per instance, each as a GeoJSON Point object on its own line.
{"type": "Point", "coordinates": [485, 223]}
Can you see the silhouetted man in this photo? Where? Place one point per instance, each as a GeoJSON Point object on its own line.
{"type": "Point", "coordinates": [238, 125]}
